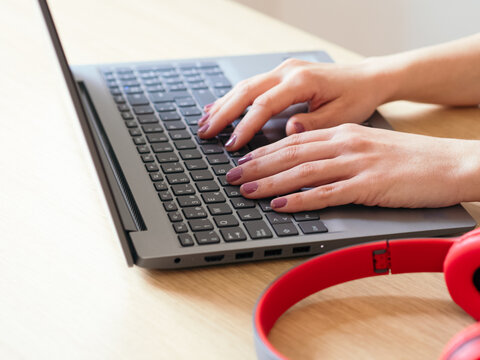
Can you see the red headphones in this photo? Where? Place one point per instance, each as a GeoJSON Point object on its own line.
{"type": "Point", "coordinates": [458, 258]}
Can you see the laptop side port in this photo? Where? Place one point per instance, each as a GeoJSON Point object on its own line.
{"type": "Point", "coordinates": [272, 252]}
{"type": "Point", "coordinates": [244, 255]}
{"type": "Point", "coordinates": [213, 258]}
{"type": "Point", "coordinates": [301, 249]}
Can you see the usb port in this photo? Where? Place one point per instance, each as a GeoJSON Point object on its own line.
{"type": "Point", "coordinates": [273, 252]}
{"type": "Point", "coordinates": [244, 255]}
{"type": "Point", "coordinates": [301, 249]}
{"type": "Point", "coordinates": [213, 258]}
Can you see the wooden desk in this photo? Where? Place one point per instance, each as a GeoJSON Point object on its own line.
{"type": "Point", "coordinates": [65, 291]}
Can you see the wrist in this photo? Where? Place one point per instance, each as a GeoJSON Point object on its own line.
{"type": "Point", "coordinates": [468, 171]}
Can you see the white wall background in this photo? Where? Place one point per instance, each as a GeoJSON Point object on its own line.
{"type": "Point", "coordinates": [377, 27]}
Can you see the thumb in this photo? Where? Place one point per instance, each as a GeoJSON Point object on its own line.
{"type": "Point", "coordinates": [324, 117]}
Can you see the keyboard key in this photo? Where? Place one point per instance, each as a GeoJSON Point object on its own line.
{"type": "Point", "coordinates": [179, 135]}
{"type": "Point", "coordinates": [223, 180]}
{"type": "Point", "coordinates": [169, 116]}
{"type": "Point", "coordinates": [156, 177]}
{"type": "Point", "coordinates": [206, 186]}
{"type": "Point", "coordinates": [175, 216]}
{"type": "Point", "coordinates": [222, 169]}
{"type": "Point", "coordinates": [127, 115]}
{"type": "Point", "coordinates": [189, 111]}
{"type": "Point", "coordinates": [249, 214]}
{"type": "Point", "coordinates": [207, 141]}
{"type": "Point", "coordinates": [162, 147]}
{"type": "Point", "coordinates": [232, 191]}
{"type": "Point", "coordinates": [312, 227]}
{"type": "Point", "coordinates": [305, 216]}
{"type": "Point", "coordinates": [239, 153]}
{"type": "Point", "coordinates": [197, 212]}
{"type": "Point", "coordinates": [135, 132]}
{"type": "Point", "coordinates": [185, 102]}
{"type": "Point", "coordinates": [184, 144]}
{"type": "Point", "coordinates": [137, 99]}
{"type": "Point", "coordinates": [152, 128]}
{"type": "Point", "coordinates": [171, 168]}
{"type": "Point", "coordinates": [213, 197]}
{"type": "Point", "coordinates": [277, 218]}
{"type": "Point", "coordinates": [165, 196]}
{"type": "Point", "coordinates": [166, 157]}
{"type": "Point", "coordinates": [131, 123]}
{"type": "Point", "coordinates": [201, 175]}
{"type": "Point", "coordinates": [206, 237]}
{"type": "Point", "coordinates": [160, 186]}
{"type": "Point", "coordinates": [190, 154]}
{"type": "Point", "coordinates": [212, 149]}
{"type": "Point", "coordinates": [200, 225]}
{"type": "Point", "coordinates": [147, 158]}
{"type": "Point", "coordinates": [177, 179]}
{"type": "Point", "coordinates": [159, 97]}
{"type": "Point", "coordinates": [163, 107]}
{"type": "Point", "coordinates": [187, 201]}
{"type": "Point", "coordinates": [123, 107]}
{"type": "Point", "coordinates": [258, 229]}
{"type": "Point", "coordinates": [242, 203]}
{"type": "Point", "coordinates": [143, 149]}
{"type": "Point", "coordinates": [139, 140]}
{"type": "Point", "coordinates": [225, 221]}
{"type": "Point", "coordinates": [219, 209]}
{"type": "Point", "coordinates": [119, 99]}
{"type": "Point", "coordinates": [233, 234]}
{"type": "Point", "coordinates": [170, 206]}
{"type": "Point", "coordinates": [155, 88]}
{"type": "Point", "coordinates": [192, 120]}
{"type": "Point", "coordinates": [142, 110]}
{"type": "Point", "coordinates": [147, 119]}
{"type": "Point", "coordinates": [203, 97]}
{"type": "Point", "coordinates": [265, 205]}
{"type": "Point", "coordinates": [156, 138]}
{"type": "Point", "coordinates": [196, 165]}
{"type": "Point", "coordinates": [215, 159]}
{"type": "Point", "coordinates": [175, 125]}
{"type": "Point", "coordinates": [185, 239]}
{"type": "Point", "coordinates": [285, 229]}
{"type": "Point", "coordinates": [177, 87]}
{"type": "Point", "coordinates": [180, 227]}
{"type": "Point", "coordinates": [183, 189]}
{"type": "Point", "coordinates": [132, 90]}
{"type": "Point", "coordinates": [151, 167]}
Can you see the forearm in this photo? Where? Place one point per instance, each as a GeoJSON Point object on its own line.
{"type": "Point", "coordinates": [447, 74]}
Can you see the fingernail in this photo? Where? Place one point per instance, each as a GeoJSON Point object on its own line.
{"type": "Point", "coordinates": [208, 106]}
{"type": "Point", "coordinates": [298, 127]}
{"type": "Point", "coordinates": [244, 159]}
{"type": "Point", "coordinates": [231, 141]}
{"type": "Point", "coordinates": [278, 203]}
{"type": "Point", "coordinates": [203, 119]}
{"type": "Point", "coordinates": [203, 128]}
{"type": "Point", "coordinates": [234, 174]}
{"type": "Point", "coordinates": [250, 187]}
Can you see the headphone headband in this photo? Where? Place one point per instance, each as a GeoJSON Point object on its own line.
{"type": "Point", "coordinates": [360, 261]}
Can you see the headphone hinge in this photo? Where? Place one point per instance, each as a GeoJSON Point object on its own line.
{"type": "Point", "coordinates": [381, 260]}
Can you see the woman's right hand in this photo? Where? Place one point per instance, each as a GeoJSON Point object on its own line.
{"type": "Point", "coordinates": [335, 94]}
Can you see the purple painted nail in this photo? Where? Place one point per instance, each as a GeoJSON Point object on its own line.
{"type": "Point", "coordinates": [244, 159]}
{"type": "Point", "coordinates": [203, 128]}
{"type": "Point", "coordinates": [298, 127]}
{"type": "Point", "coordinates": [250, 187]}
{"type": "Point", "coordinates": [231, 141]}
{"type": "Point", "coordinates": [234, 174]}
{"type": "Point", "coordinates": [203, 119]}
{"type": "Point", "coordinates": [208, 106]}
{"type": "Point", "coordinates": [278, 203]}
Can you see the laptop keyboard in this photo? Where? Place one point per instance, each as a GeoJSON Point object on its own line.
{"type": "Point", "coordinates": [160, 105]}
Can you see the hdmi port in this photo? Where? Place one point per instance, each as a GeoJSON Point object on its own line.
{"type": "Point", "coordinates": [213, 258]}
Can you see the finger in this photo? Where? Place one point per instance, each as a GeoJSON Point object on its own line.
{"type": "Point", "coordinates": [304, 175]}
{"type": "Point", "coordinates": [234, 103]}
{"type": "Point", "coordinates": [263, 108]}
{"type": "Point", "coordinates": [332, 194]}
{"type": "Point", "coordinates": [292, 140]}
{"type": "Point", "coordinates": [326, 116]}
{"type": "Point", "coordinates": [281, 160]}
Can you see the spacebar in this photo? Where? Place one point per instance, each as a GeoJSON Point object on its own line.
{"type": "Point", "coordinates": [203, 97]}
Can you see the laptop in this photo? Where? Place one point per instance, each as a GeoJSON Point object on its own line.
{"type": "Point", "coordinates": [166, 188]}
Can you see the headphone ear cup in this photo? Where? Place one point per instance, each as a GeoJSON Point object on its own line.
{"type": "Point", "coordinates": [462, 273]}
{"type": "Point", "coordinates": [464, 346]}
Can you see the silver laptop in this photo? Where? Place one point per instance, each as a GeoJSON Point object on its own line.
{"type": "Point", "coordinates": [166, 188]}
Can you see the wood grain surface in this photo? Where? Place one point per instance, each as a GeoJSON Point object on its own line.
{"type": "Point", "coordinates": [65, 290]}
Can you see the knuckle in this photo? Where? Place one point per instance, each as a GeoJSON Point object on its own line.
{"type": "Point", "coordinates": [290, 153]}
{"type": "Point", "coordinates": [293, 139]}
{"type": "Point", "coordinates": [291, 63]}
{"type": "Point", "coordinates": [306, 170]}
{"type": "Point", "coordinates": [244, 87]}
{"type": "Point", "coordinates": [301, 75]}
{"type": "Point", "coordinates": [263, 101]}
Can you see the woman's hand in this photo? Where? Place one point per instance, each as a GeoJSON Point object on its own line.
{"type": "Point", "coordinates": [355, 164]}
{"type": "Point", "coordinates": [335, 93]}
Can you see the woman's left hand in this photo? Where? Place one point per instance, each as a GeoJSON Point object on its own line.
{"type": "Point", "coordinates": [355, 164]}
